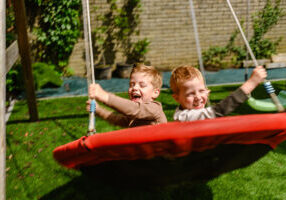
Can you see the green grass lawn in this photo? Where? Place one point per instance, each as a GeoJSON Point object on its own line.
{"type": "Point", "coordinates": [32, 173]}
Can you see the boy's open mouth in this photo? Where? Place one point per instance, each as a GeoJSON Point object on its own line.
{"type": "Point", "coordinates": [135, 97]}
{"type": "Point", "coordinates": [198, 105]}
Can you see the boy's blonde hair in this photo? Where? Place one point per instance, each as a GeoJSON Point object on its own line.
{"type": "Point", "coordinates": [181, 74]}
{"type": "Point", "coordinates": [150, 71]}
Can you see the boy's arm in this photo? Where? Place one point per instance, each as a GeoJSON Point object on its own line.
{"type": "Point", "coordinates": [258, 75]}
{"type": "Point", "coordinates": [112, 117]}
{"type": "Point", "coordinates": [147, 111]}
{"type": "Point", "coordinates": [230, 103]}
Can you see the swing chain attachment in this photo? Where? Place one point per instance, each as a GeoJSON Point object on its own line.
{"type": "Point", "coordinates": [271, 91]}
{"type": "Point", "coordinates": [268, 87]}
{"type": "Point", "coordinates": [91, 126]}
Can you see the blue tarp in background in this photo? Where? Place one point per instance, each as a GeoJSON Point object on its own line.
{"type": "Point", "coordinates": [76, 86]}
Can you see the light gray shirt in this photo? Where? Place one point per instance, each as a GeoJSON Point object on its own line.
{"type": "Point", "coordinates": [194, 114]}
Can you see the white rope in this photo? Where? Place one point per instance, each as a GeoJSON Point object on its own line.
{"type": "Point", "coordinates": [242, 34]}
{"type": "Point", "coordinates": [90, 41]}
{"type": "Point", "coordinates": [86, 43]}
{"type": "Point", "coordinates": [247, 37]}
{"type": "Point", "coordinates": [89, 63]}
{"type": "Point", "coordinates": [192, 12]}
{"type": "Point", "coordinates": [194, 21]}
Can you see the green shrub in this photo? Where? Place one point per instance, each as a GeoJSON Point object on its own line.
{"type": "Point", "coordinates": [14, 81]}
{"type": "Point", "coordinates": [10, 24]}
{"type": "Point", "coordinates": [58, 28]}
{"type": "Point", "coordinates": [45, 75]}
{"type": "Point", "coordinates": [217, 57]}
{"type": "Point", "coordinates": [263, 21]}
{"type": "Point", "coordinates": [137, 51]}
{"type": "Point", "coordinates": [118, 27]}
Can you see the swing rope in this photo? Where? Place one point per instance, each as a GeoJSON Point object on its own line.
{"type": "Point", "coordinates": [247, 37]}
{"type": "Point", "coordinates": [194, 21]}
{"type": "Point", "coordinates": [267, 84]}
{"type": "Point", "coordinates": [89, 63]}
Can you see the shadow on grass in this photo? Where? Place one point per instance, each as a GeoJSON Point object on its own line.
{"type": "Point", "coordinates": [49, 118]}
{"type": "Point", "coordinates": [83, 187]}
{"type": "Point", "coordinates": [183, 178]}
{"type": "Point", "coordinates": [281, 148]}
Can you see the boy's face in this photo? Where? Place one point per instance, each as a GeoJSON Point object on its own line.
{"type": "Point", "coordinates": [192, 94]}
{"type": "Point", "coordinates": [141, 89]}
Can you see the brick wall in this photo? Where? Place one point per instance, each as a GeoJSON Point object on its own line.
{"type": "Point", "coordinates": [168, 25]}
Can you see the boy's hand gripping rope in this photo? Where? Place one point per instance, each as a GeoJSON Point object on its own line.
{"type": "Point", "coordinates": [267, 84]}
{"type": "Point", "coordinates": [91, 125]}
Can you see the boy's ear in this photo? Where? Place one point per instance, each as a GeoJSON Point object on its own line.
{"type": "Point", "coordinates": [208, 92]}
{"type": "Point", "coordinates": [175, 96]}
{"type": "Point", "coordinates": [156, 93]}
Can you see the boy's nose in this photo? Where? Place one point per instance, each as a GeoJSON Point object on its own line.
{"type": "Point", "coordinates": [197, 96]}
{"type": "Point", "coordinates": [135, 86]}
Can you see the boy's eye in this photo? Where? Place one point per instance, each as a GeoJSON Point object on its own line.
{"type": "Point", "coordinates": [190, 94]}
{"type": "Point", "coordinates": [143, 85]}
{"type": "Point", "coordinates": [131, 84]}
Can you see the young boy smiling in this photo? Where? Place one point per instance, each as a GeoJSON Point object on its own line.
{"type": "Point", "coordinates": [190, 91]}
{"type": "Point", "coordinates": [142, 109]}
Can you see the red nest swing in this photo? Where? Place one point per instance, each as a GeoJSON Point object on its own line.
{"type": "Point", "coordinates": [175, 151]}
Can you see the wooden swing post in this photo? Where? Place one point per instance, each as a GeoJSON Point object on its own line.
{"type": "Point", "coordinates": [24, 50]}
{"type": "Point", "coordinates": [2, 100]}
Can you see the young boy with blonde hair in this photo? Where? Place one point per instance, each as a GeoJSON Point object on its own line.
{"type": "Point", "coordinates": [142, 109]}
{"type": "Point", "coordinates": [190, 91]}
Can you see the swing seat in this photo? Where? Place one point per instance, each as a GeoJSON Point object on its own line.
{"type": "Point", "coordinates": [266, 105]}
{"type": "Point", "coordinates": [176, 151]}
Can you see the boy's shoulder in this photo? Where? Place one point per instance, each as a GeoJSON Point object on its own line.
{"type": "Point", "coordinates": [153, 105]}
{"type": "Point", "coordinates": [156, 103]}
